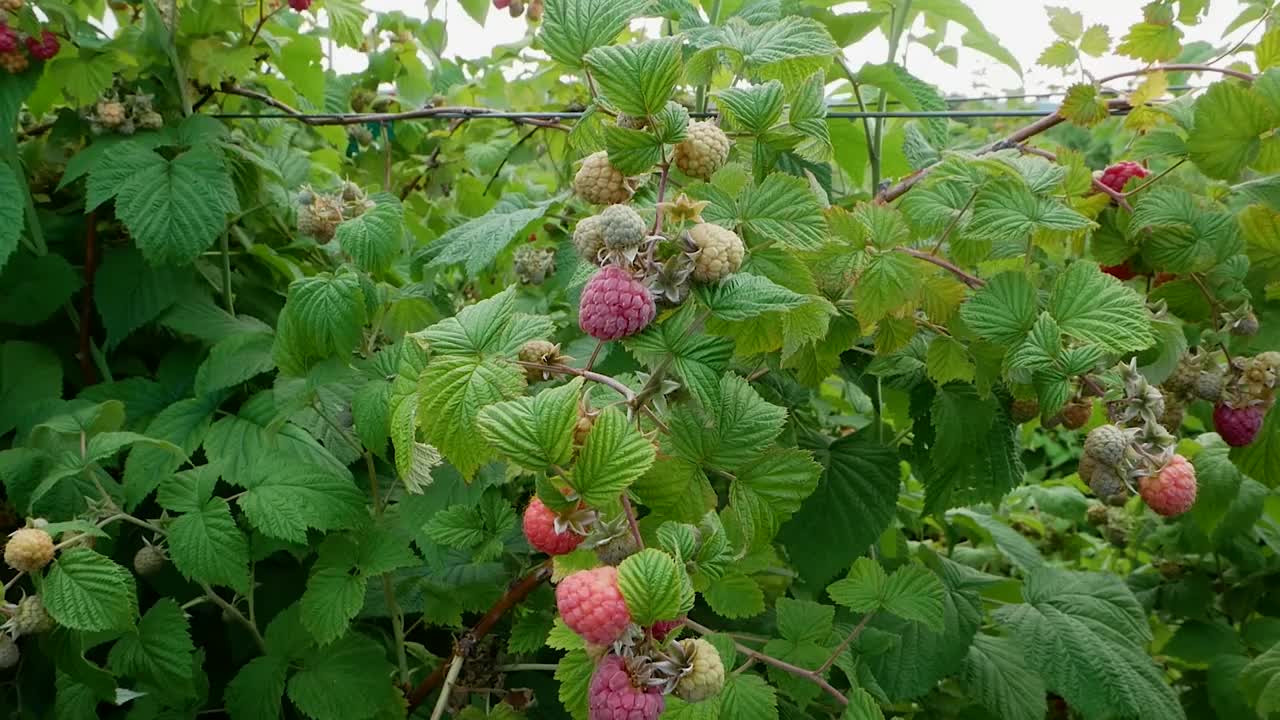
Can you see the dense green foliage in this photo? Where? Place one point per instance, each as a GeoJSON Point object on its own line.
{"type": "Point", "coordinates": [272, 403]}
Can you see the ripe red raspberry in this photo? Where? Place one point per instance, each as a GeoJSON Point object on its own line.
{"type": "Point", "coordinates": [1238, 426]}
{"type": "Point", "coordinates": [592, 606]}
{"type": "Point", "coordinates": [1123, 271]}
{"type": "Point", "coordinates": [1172, 491]}
{"type": "Point", "coordinates": [1117, 175]}
{"type": "Point", "coordinates": [501, 4]}
{"type": "Point", "coordinates": [614, 305]}
{"type": "Point", "coordinates": [44, 47]}
{"type": "Point", "coordinates": [8, 38]}
{"type": "Point", "coordinates": [540, 529]}
{"type": "Point", "coordinates": [300, 5]}
{"type": "Point", "coordinates": [615, 694]}
{"type": "Point", "coordinates": [28, 549]}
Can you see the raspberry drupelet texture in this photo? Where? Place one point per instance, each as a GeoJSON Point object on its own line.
{"type": "Point", "coordinates": [1172, 491]}
{"type": "Point", "coordinates": [704, 150]}
{"type": "Point", "coordinates": [300, 5]}
{"type": "Point", "coordinates": [706, 678]}
{"type": "Point", "coordinates": [43, 47]}
{"type": "Point", "coordinates": [592, 606]}
{"type": "Point", "coordinates": [30, 617]}
{"type": "Point", "coordinates": [600, 183]}
{"type": "Point", "coordinates": [614, 305]}
{"type": "Point", "coordinates": [1106, 444]}
{"type": "Point", "coordinates": [540, 530]}
{"type": "Point", "coordinates": [615, 695]}
{"type": "Point", "coordinates": [1115, 176]}
{"type": "Point", "coordinates": [719, 251]}
{"type": "Point", "coordinates": [661, 629]}
{"type": "Point", "coordinates": [28, 549]}
{"type": "Point", "coordinates": [1238, 426]}
{"type": "Point", "coordinates": [8, 38]}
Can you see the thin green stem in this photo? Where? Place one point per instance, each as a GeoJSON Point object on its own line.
{"type": "Point", "coordinates": [226, 274]}
{"type": "Point", "coordinates": [234, 613]}
{"type": "Point", "coordinates": [701, 96]}
{"type": "Point", "coordinates": [835, 655]}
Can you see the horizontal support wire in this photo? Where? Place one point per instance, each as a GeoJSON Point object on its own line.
{"type": "Point", "coordinates": [353, 118]}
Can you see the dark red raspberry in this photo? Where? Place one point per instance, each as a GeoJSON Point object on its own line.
{"type": "Point", "coordinates": [1238, 426]}
{"type": "Point", "coordinates": [501, 4]}
{"type": "Point", "coordinates": [300, 5]}
{"type": "Point", "coordinates": [8, 38]}
{"type": "Point", "coordinates": [614, 305]}
{"type": "Point", "coordinates": [661, 629]}
{"type": "Point", "coordinates": [540, 530]}
{"type": "Point", "coordinates": [1117, 175]}
{"type": "Point", "coordinates": [43, 48]}
{"type": "Point", "coordinates": [1123, 271]}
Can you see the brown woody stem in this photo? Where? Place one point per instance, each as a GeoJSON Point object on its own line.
{"type": "Point", "coordinates": [813, 676]}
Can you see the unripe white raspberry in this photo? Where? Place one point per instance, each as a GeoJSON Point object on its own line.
{"type": "Point", "coordinates": [28, 550]}
{"type": "Point", "coordinates": [600, 183]}
{"type": "Point", "coordinates": [719, 252]}
{"type": "Point", "coordinates": [704, 150]}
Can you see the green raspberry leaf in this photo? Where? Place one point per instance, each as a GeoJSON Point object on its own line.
{"type": "Point", "coordinates": [731, 431]}
{"type": "Point", "coordinates": [1261, 680]}
{"type": "Point", "coordinates": [742, 296]}
{"type": "Point", "coordinates": [782, 209]}
{"type": "Point", "coordinates": [332, 598]}
{"type": "Point", "coordinates": [284, 499]}
{"type": "Point", "coordinates": [1093, 307]}
{"type": "Point", "coordinates": [534, 432]}
{"type": "Point", "coordinates": [1152, 42]}
{"type": "Point", "coordinates": [1096, 41]}
{"type": "Point", "coordinates": [862, 591]}
{"type": "Point", "coordinates": [373, 239]}
{"type": "Point", "coordinates": [326, 314]}
{"type": "Point", "coordinates": [755, 108]}
{"type": "Point", "coordinates": [637, 79]}
{"type": "Point", "coordinates": [1007, 210]}
{"type": "Point", "coordinates": [476, 243]}
{"type": "Point", "coordinates": [996, 674]}
{"type": "Point", "coordinates": [207, 546]}
{"type": "Point", "coordinates": [748, 697]}
{"type": "Point", "coordinates": [632, 152]}
{"type": "Point", "coordinates": [769, 490]}
{"type": "Point", "coordinates": [1003, 310]}
{"type": "Point", "coordinates": [453, 390]}
{"type": "Point", "coordinates": [341, 682]}
{"type": "Point", "coordinates": [650, 582]}
{"type": "Point", "coordinates": [1229, 122]}
{"type": "Point", "coordinates": [614, 455]}
{"type": "Point", "coordinates": [571, 28]}
{"type": "Point", "coordinates": [11, 220]}
{"type": "Point", "coordinates": [1061, 54]}
{"type": "Point", "coordinates": [87, 591]}
{"type": "Point", "coordinates": [1065, 22]}
{"type": "Point", "coordinates": [256, 691]}
{"type": "Point", "coordinates": [158, 650]}
{"type": "Point", "coordinates": [735, 596]}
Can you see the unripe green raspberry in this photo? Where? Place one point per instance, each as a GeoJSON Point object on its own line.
{"type": "Point", "coordinates": [149, 560]}
{"type": "Point", "coordinates": [1107, 444]}
{"type": "Point", "coordinates": [600, 183]}
{"type": "Point", "coordinates": [719, 252]}
{"type": "Point", "coordinates": [9, 653]}
{"type": "Point", "coordinates": [706, 678]}
{"type": "Point", "coordinates": [30, 618]}
{"type": "Point", "coordinates": [1208, 386]}
{"type": "Point", "coordinates": [321, 218]}
{"type": "Point", "coordinates": [1024, 410]}
{"type": "Point", "coordinates": [704, 150]}
{"type": "Point", "coordinates": [533, 264]}
{"type": "Point", "coordinates": [623, 228]}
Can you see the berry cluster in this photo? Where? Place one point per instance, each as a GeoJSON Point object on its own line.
{"type": "Point", "coordinates": [516, 8]}
{"type": "Point", "coordinates": [635, 669]}
{"type": "Point", "coordinates": [642, 268]}
{"type": "Point", "coordinates": [16, 50]}
{"type": "Point", "coordinates": [122, 112]}
{"type": "Point", "coordinates": [1135, 447]}
{"type": "Point", "coordinates": [1248, 393]}
{"type": "Point", "coordinates": [319, 214]}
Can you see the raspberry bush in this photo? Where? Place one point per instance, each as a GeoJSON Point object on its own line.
{"type": "Point", "coordinates": [610, 376]}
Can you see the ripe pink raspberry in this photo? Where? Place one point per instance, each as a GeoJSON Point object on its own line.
{"type": "Point", "coordinates": [300, 5]}
{"type": "Point", "coordinates": [1238, 426]}
{"type": "Point", "coordinates": [1117, 175]}
{"type": "Point", "coordinates": [1172, 491]}
{"type": "Point", "coordinates": [8, 38]}
{"type": "Point", "coordinates": [540, 529]}
{"type": "Point", "coordinates": [44, 47]}
{"type": "Point", "coordinates": [592, 606]}
{"type": "Point", "coordinates": [615, 695]}
{"type": "Point", "coordinates": [614, 305]}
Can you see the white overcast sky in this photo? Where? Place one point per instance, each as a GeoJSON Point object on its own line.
{"type": "Point", "coordinates": [1021, 26]}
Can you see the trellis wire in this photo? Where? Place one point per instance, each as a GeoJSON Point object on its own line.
{"type": "Point", "coordinates": [352, 118]}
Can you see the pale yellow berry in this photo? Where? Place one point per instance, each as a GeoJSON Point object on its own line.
{"type": "Point", "coordinates": [719, 252]}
